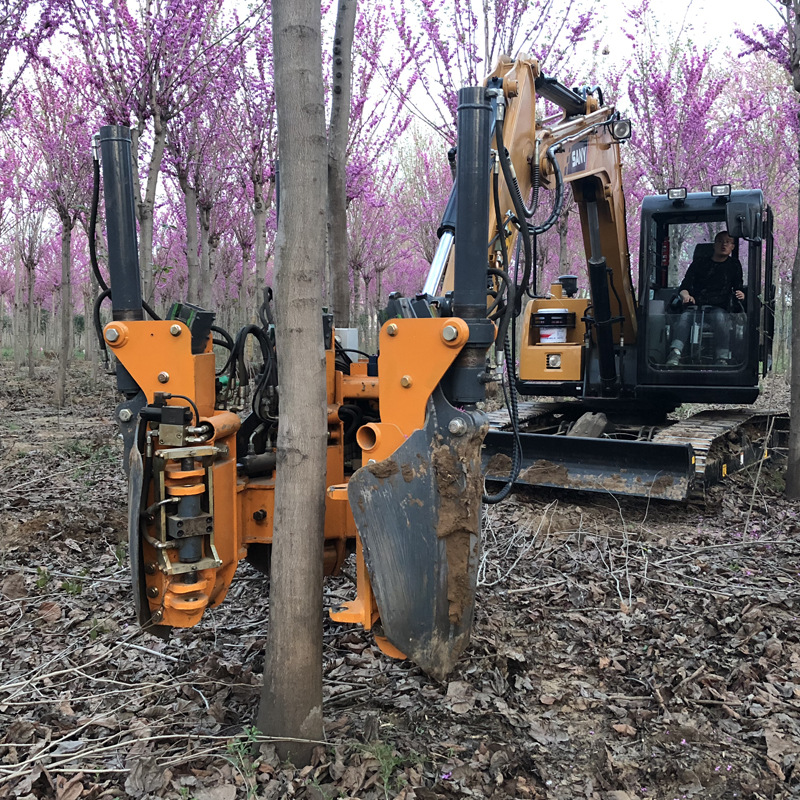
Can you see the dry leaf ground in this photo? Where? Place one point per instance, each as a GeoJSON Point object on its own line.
{"type": "Point", "coordinates": [621, 649]}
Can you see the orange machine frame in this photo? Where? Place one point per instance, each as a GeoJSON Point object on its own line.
{"type": "Point", "coordinates": [240, 509]}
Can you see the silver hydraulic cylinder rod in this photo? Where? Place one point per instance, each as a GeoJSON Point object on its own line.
{"type": "Point", "coordinates": [438, 264]}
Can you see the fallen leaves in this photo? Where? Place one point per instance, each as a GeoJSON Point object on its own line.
{"type": "Point", "coordinates": [627, 648]}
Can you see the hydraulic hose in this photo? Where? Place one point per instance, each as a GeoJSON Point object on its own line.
{"type": "Point", "coordinates": [93, 223]}
{"type": "Point", "coordinates": [558, 203]}
{"type": "Point", "coordinates": [516, 449]}
{"type": "Point", "coordinates": [516, 199]}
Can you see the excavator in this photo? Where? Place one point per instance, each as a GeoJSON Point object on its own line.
{"type": "Point", "coordinates": [408, 439]}
{"type": "Point", "coordinates": [606, 355]}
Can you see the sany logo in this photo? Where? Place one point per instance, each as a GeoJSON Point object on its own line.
{"type": "Point", "coordinates": [577, 157]}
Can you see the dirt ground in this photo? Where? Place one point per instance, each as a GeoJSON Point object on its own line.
{"type": "Point", "coordinates": [621, 649]}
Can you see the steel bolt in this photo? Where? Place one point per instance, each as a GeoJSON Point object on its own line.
{"type": "Point", "coordinates": [125, 415]}
{"type": "Point", "coordinates": [391, 330]}
{"type": "Point", "coordinates": [175, 330]}
{"type": "Point", "coordinates": [112, 334]}
{"type": "Point", "coordinates": [449, 333]}
{"type": "Point", "coordinates": [150, 568]}
{"type": "Point", "coordinates": [157, 616]}
{"type": "Point", "coordinates": [163, 377]}
{"type": "Point", "coordinates": [152, 591]}
{"type": "Point", "coordinates": [406, 381]}
{"type": "Point", "coordinates": [457, 426]}
{"type": "Point", "coordinates": [260, 515]}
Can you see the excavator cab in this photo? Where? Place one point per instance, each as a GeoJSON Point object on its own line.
{"type": "Point", "coordinates": [725, 343]}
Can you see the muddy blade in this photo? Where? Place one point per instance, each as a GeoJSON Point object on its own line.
{"type": "Point", "coordinates": [610, 466]}
{"type": "Point", "coordinates": [418, 515]}
{"type": "Point", "coordinates": [135, 552]}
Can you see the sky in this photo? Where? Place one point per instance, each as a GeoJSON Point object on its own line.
{"type": "Point", "coordinates": [713, 22]}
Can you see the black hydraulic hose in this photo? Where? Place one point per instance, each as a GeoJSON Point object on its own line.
{"type": "Point", "coordinates": [93, 227]}
{"type": "Point", "coordinates": [225, 335]}
{"type": "Point", "coordinates": [621, 317]}
{"type": "Point", "coordinates": [501, 235]}
{"type": "Point", "coordinates": [558, 203]}
{"type": "Point", "coordinates": [533, 290]}
{"type": "Point", "coordinates": [192, 404]}
{"type": "Point", "coordinates": [516, 198]}
{"type": "Point", "coordinates": [150, 313]}
{"type": "Point", "coordinates": [352, 350]}
{"type": "Point", "coordinates": [506, 280]}
{"type": "Point", "coordinates": [98, 325]}
{"type": "Point", "coordinates": [513, 411]}
{"type": "Point", "coordinates": [536, 177]}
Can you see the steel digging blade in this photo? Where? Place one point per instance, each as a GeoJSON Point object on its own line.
{"type": "Point", "coordinates": [418, 514]}
{"type": "Point", "coordinates": [135, 552]}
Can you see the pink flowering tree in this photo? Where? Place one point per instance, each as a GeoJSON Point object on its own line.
{"type": "Point", "coordinates": [59, 133]}
{"type": "Point", "coordinates": [781, 43]}
{"type": "Point", "coordinates": [24, 28]}
{"type": "Point", "coordinates": [196, 142]}
{"type": "Point", "coordinates": [147, 64]}
{"type": "Point", "coordinates": [367, 118]}
{"type": "Point", "coordinates": [251, 136]}
{"type": "Point", "coordinates": [457, 43]}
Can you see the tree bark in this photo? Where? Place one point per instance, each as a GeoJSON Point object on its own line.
{"type": "Point", "coordinates": [65, 351]}
{"type": "Point", "coordinates": [192, 251]}
{"type": "Point", "coordinates": [337, 162]}
{"type": "Point", "coordinates": [30, 269]}
{"type": "Point", "coordinates": [145, 204]}
{"type": "Point", "coordinates": [260, 227]}
{"type": "Point", "coordinates": [792, 490]}
{"type": "Point", "coordinates": [291, 704]}
{"type": "Point", "coordinates": [17, 318]}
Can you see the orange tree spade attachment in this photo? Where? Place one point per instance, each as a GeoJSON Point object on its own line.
{"type": "Point", "coordinates": [403, 485]}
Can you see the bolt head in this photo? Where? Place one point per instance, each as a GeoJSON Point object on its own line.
{"type": "Point", "coordinates": [391, 329]}
{"type": "Point", "coordinates": [152, 591]}
{"type": "Point", "coordinates": [175, 330]}
{"type": "Point", "coordinates": [406, 381]}
{"type": "Point", "coordinates": [449, 333]}
{"type": "Point", "coordinates": [457, 426]}
{"type": "Point", "coordinates": [125, 415]}
{"type": "Point", "coordinates": [163, 377]}
{"type": "Point", "coordinates": [112, 334]}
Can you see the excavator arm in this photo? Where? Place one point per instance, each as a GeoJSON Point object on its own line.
{"type": "Point", "coordinates": [577, 147]}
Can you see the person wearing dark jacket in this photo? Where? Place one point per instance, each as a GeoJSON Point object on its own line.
{"type": "Point", "coordinates": [711, 282]}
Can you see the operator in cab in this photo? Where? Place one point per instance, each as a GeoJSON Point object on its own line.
{"type": "Point", "coordinates": [711, 283]}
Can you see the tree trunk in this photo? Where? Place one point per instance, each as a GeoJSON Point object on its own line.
{"type": "Point", "coordinates": [792, 490]}
{"type": "Point", "coordinates": [145, 204]}
{"type": "Point", "coordinates": [337, 163]}
{"type": "Point", "coordinates": [65, 351]}
{"type": "Point", "coordinates": [793, 462]}
{"type": "Point", "coordinates": [291, 704]}
{"type": "Point", "coordinates": [31, 330]}
{"type": "Point", "coordinates": [17, 320]}
{"type": "Point", "coordinates": [212, 244]}
{"type": "Point", "coordinates": [260, 226]}
{"type": "Point", "coordinates": [192, 250]}
{"type": "Point", "coordinates": [563, 252]}
{"type": "Point", "coordinates": [205, 272]}
{"type": "Point", "coordinates": [247, 308]}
